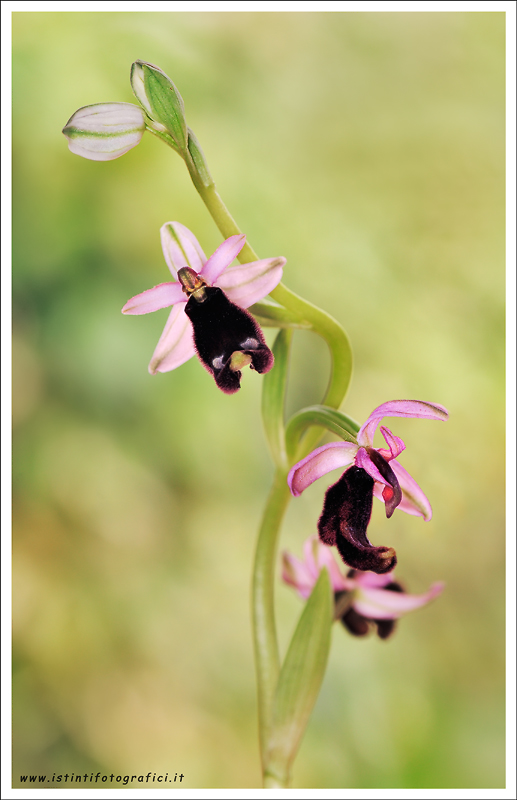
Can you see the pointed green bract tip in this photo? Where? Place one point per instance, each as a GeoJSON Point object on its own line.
{"type": "Point", "coordinates": [162, 102]}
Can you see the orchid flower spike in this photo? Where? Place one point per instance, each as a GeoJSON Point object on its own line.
{"type": "Point", "coordinates": [368, 471]}
{"type": "Point", "coordinates": [362, 599]}
{"type": "Point", "coordinates": [208, 298]}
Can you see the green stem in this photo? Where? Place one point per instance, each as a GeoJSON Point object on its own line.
{"type": "Point", "coordinates": [340, 353]}
{"type": "Point", "coordinates": [332, 420]}
{"type": "Point", "coordinates": [263, 607]}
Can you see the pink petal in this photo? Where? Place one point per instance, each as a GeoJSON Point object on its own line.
{"type": "Point", "coordinates": [249, 283]}
{"type": "Point", "coordinates": [364, 461]}
{"type": "Point", "coordinates": [383, 604]}
{"type": "Point", "coordinates": [223, 257]}
{"type": "Point", "coordinates": [370, 580]}
{"type": "Point", "coordinates": [318, 463]}
{"type": "Point", "coordinates": [181, 248]}
{"type": "Point", "coordinates": [399, 408]}
{"type": "Point", "coordinates": [161, 296]}
{"type": "Point", "coordinates": [296, 573]}
{"type": "Point", "coordinates": [413, 500]}
{"type": "Point", "coordinates": [395, 444]}
{"type": "Point", "coordinates": [176, 344]}
{"type": "Point", "coordinates": [318, 555]}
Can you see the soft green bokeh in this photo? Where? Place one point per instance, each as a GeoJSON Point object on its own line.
{"type": "Point", "coordinates": [367, 148]}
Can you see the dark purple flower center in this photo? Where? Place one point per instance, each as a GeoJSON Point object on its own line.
{"type": "Point", "coordinates": [344, 521]}
{"type": "Point", "coordinates": [226, 337]}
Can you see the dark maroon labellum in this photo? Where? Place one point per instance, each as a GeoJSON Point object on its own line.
{"type": "Point", "coordinates": [226, 338]}
{"type": "Point", "coordinates": [344, 521]}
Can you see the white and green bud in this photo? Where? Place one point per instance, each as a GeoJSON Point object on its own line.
{"type": "Point", "coordinates": [161, 101]}
{"type": "Point", "coordinates": [105, 131]}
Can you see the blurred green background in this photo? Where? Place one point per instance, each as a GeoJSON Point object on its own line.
{"type": "Point", "coordinates": [368, 149]}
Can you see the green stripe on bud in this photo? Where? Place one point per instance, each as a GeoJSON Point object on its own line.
{"type": "Point", "coordinates": [162, 102]}
{"type": "Point", "coordinates": [104, 131]}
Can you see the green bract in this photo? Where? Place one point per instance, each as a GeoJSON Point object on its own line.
{"type": "Point", "coordinates": [299, 682]}
{"type": "Point", "coordinates": [160, 99]}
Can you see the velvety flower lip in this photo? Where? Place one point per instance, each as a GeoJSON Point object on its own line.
{"type": "Point", "coordinates": [364, 598]}
{"type": "Point", "coordinates": [242, 286]}
{"type": "Point", "coordinates": [368, 471]}
{"type": "Point", "coordinates": [344, 522]}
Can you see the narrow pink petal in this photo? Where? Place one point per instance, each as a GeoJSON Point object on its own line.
{"type": "Point", "coordinates": [383, 604]}
{"type": "Point", "coordinates": [181, 248]}
{"type": "Point", "coordinates": [413, 500]}
{"type": "Point", "coordinates": [318, 463]}
{"type": "Point", "coordinates": [318, 555]}
{"type": "Point", "coordinates": [296, 573]}
{"type": "Point", "coordinates": [176, 344]}
{"type": "Point", "coordinates": [364, 461]}
{"type": "Point", "coordinates": [247, 284]}
{"type": "Point", "coordinates": [370, 580]}
{"type": "Point", "coordinates": [395, 444]}
{"type": "Point", "coordinates": [223, 257]}
{"type": "Point", "coordinates": [161, 296]}
{"type": "Point", "coordinates": [399, 408]}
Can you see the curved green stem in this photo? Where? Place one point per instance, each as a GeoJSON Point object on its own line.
{"type": "Point", "coordinates": [340, 353]}
{"type": "Point", "coordinates": [263, 608]}
{"type": "Point", "coordinates": [322, 416]}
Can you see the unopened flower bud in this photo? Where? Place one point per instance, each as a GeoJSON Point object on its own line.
{"type": "Point", "coordinates": [162, 102]}
{"type": "Point", "coordinates": [104, 131]}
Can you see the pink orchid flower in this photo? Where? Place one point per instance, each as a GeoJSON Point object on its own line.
{"type": "Point", "coordinates": [369, 471]}
{"type": "Point", "coordinates": [362, 599]}
{"type": "Point", "coordinates": [224, 336]}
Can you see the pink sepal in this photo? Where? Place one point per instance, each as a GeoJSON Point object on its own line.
{"type": "Point", "coordinates": [384, 604]}
{"type": "Point", "coordinates": [318, 463]}
{"type": "Point", "coordinates": [176, 344]}
{"type": "Point", "coordinates": [304, 574]}
{"type": "Point", "coordinates": [245, 285]}
{"type": "Point", "coordinates": [297, 574]}
{"type": "Point", "coordinates": [318, 555]}
{"type": "Point", "coordinates": [161, 296]}
{"type": "Point", "coordinates": [181, 248]}
{"type": "Point", "coordinates": [399, 408]}
{"type": "Point", "coordinates": [413, 500]}
{"type": "Point", "coordinates": [223, 257]}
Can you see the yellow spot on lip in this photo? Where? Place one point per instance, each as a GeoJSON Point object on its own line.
{"type": "Point", "coordinates": [239, 360]}
{"type": "Point", "coordinates": [389, 553]}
